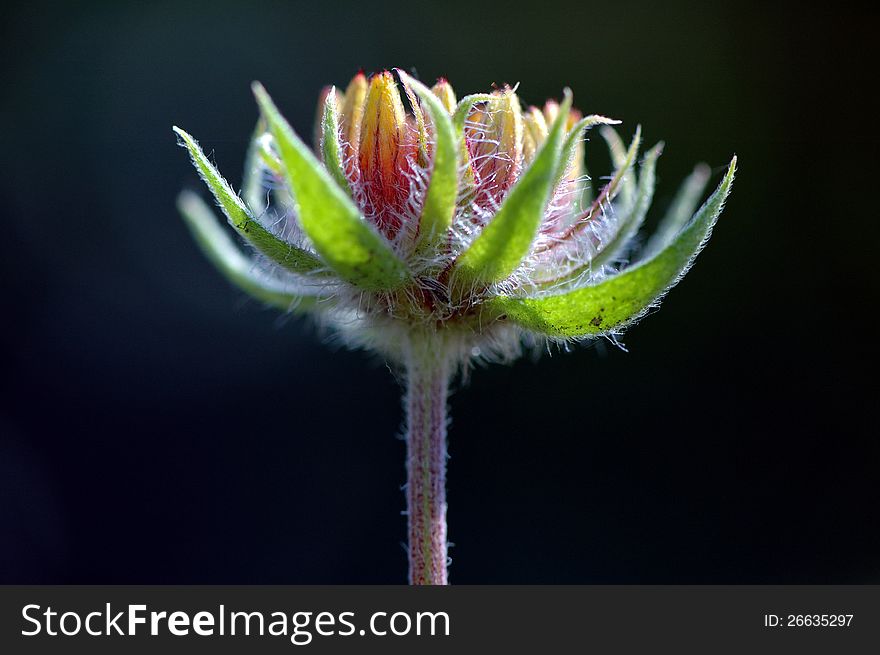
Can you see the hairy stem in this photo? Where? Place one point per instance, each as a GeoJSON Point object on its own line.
{"type": "Point", "coordinates": [427, 384]}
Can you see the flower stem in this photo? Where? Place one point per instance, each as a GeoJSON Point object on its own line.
{"type": "Point", "coordinates": [428, 371]}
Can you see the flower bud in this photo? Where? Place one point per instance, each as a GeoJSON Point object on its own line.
{"type": "Point", "coordinates": [317, 131]}
{"type": "Point", "coordinates": [495, 142]}
{"type": "Point", "coordinates": [385, 146]}
{"type": "Point", "coordinates": [551, 111]}
{"type": "Point", "coordinates": [443, 90]}
{"type": "Point", "coordinates": [352, 111]}
{"type": "Point", "coordinates": [534, 133]}
{"type": "Point", "coordinates": [576, 168]}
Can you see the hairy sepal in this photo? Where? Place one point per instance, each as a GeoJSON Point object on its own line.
{"type": "Point", "coordinates": [286, 254]}
{"type": "Point", "coordinates": [331, 146]}
{"type": "Point", "coordinates": [620, 155]}
{"type": "Point", "coordinates": [236, 267]}
{"type": "Point", "coordinates": [575, 135]}
{"type": "Point", "coordinates": [439, 205]}
{"type": "Point", "coordinates": [681, 209]}
{"type": "Point", "coordinates": [505, 241]}
{"type": "Point", "coordinates": [463, 109]}
{"type": "Point", "coordinates": [611, 305]}
{"type": "Point", "coordinates": [253, 192]}
{"type": "Point", "coordinates": [616, 246]}
{"type": "Point", "coordinates": [343, 238]}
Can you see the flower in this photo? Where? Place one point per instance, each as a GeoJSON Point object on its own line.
{"type": "Point", "coordinates": [438, 230]}
{"type": "Point", "coordinates": [472, 217]}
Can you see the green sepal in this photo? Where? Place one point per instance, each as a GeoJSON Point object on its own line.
{"type": "Point", "coordinates": [439, 206]}
{"type": "Point", "coordinates": [286, 254]}
{"type": "Point", "coordinates": [575, 134]}
{"type": "Point", "coordinates": [230, 261]}
{"type": "Point", "coordinates": [633, 219]}
{"type": "Point", "coordinates": [608, 193]}
{"type": "Point", "coordinates": [622, 299]}
{"type": "Point", "coordinates": [629, 222]}
{"type": "Point", "coordinates": [505, 241]}
{"type": "Point", "coordinates": [343, 238]}
{"type": "Point", "coordinates": [253, 193]}
{"type": "Point", "coordinates": [624, 165]}
{"type": "Point", "coordinates": [621, 160]}
{"type": "Point", "coordinates": [330, 146]}
{"type": "Point", "coordinates": [459, 117]}
{"type": "Point", "coordinates": [681, 209]}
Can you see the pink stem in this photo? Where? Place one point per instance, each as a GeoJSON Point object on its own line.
{"type": "Point", "coordinates": [428, 372]}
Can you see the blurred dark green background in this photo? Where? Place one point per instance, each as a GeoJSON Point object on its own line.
{"type": "Point", "coordinates": [155, 426]}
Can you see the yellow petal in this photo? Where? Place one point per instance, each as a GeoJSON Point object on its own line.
{"type": "Point", "coordinates": [551, 111]}
{"type": "Point", "coordinates": [352, 111]}
{"type": "Point", "coordinates": [496, 131]}
{"type": "Point", "coordinates": [577, 168]}
{"type": "Point", "coordinates": [443, 90]}
{"type": "Point", "coordinates": [382, 129]}
{"type": "Point", "coordinates": [419, 118]}
{"type": "Point", "coordinates": [534, 132]}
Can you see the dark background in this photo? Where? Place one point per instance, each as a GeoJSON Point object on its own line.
{"type": "Point", "coordinates": [157, 427]}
